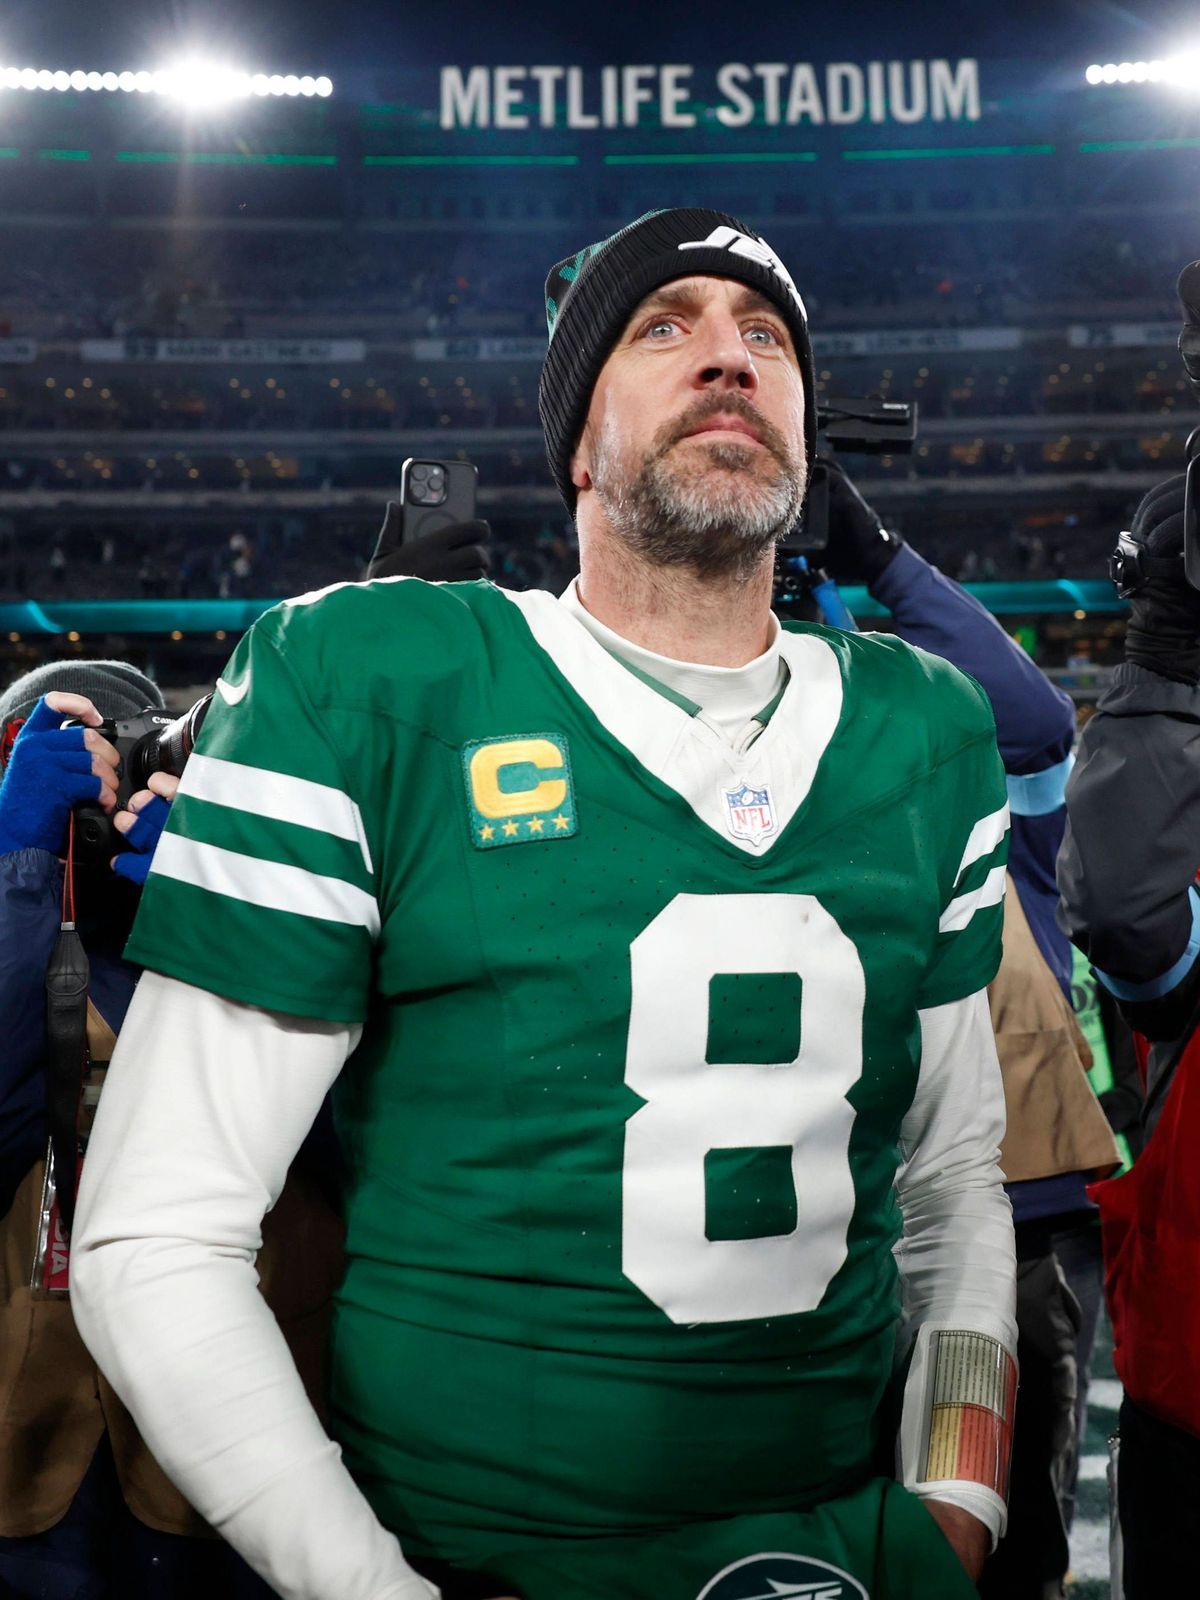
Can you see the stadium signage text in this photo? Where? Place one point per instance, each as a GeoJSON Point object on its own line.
{"type": "Point", "coordinates": [1122, 335]}
{"type": "Point", "coordinates": [274, 351]}
{"type": "Point", "coordinates": [916, 341]}
{"type": "Point", "coordinates": [770, 94]}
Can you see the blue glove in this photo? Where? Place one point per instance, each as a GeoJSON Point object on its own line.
{"type": "Point", "coordinates": [134, 863]}
{"type": "Point", "coordinates": [49, 771]}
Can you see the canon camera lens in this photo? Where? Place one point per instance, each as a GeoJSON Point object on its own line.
{"type": "Point", "coordinates": [168, 749]}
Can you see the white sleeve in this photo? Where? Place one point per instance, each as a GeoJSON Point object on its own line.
{"type": "Point", "coordinates": [205, 1104]}
{"type": "Point", "coordinates": [956, 1255]}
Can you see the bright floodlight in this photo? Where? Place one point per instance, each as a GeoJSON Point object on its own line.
{"type": "Point", "coordinates": [1182, 71]}
{"type": "Point", "coordinates": [203, 83]}
{"type": "Point", "coordinates": [194, 83]}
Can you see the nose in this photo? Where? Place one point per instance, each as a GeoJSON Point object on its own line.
{"type": "Point", "coordinates": [722, 360]}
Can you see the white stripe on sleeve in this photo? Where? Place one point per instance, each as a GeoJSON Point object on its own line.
{"type": "Point", "coordinates": [272, 884]}
{"type": "Point", "coordinates": [961, 909]}
{"type": "Point", "coordinates": [984, 837]}
{"type": "Point", "coordinates": [260, 793]}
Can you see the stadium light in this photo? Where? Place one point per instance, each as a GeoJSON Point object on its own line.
{"type": "Point", "coordinates": [194, 83]}
{"type": "Point", "coordinates": [1182, 72]}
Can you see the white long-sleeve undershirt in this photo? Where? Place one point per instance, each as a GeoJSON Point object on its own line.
{"type": "Point", "coordinates": [205, 1105]}
{"type": "Point", "coordinates": [956, 1256]}
{"type": "Point", "coordinates": [207, 1102]}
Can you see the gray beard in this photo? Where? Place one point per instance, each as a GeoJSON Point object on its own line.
{"type": "Point", "coordinates": [719, 526]}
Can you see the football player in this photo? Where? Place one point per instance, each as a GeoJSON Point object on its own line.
{"type": "Point", "coordinates": [647, 943]}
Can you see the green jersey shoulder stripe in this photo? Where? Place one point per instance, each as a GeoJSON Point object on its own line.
{"type": "Point", "coordinates": [271, 884]}
{"type": "Point", "coordinates": [961, 909]}
{"type": "Point", "coordinates": [262, 793]}
{"type": "Point", "coordinates": [983, 839]}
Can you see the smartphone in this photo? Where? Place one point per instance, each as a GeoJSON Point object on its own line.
{"type": "Point", "coordinates": [433, 494]}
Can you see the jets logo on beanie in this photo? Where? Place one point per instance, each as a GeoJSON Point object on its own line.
{"type": "Point", "coordinates": [591, 296]}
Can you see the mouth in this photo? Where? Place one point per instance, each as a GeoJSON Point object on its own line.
{"type": "Point", "coordinates": [724, 425]}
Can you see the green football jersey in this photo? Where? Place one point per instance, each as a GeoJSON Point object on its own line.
{"type": "Point", "coordinates": [641, 1025]}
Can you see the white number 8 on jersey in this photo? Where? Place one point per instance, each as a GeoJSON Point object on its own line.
{"type": "Point", "coordinates": [694, 1107]}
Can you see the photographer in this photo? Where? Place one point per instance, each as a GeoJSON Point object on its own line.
{"type": "Point", "coordinates": [1127, 878]}
{"type": "Point", "coordinates": [84, 1508]}
{"type": "Point", "coordinates": [1057, 1135]}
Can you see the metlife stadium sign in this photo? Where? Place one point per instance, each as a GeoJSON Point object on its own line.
{"type": "Point", "coordinates": [733, 95]}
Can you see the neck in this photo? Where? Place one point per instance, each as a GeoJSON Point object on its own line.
{"type": "Point", "coordinates": [715, 621]}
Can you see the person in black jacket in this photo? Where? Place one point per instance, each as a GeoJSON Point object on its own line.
{"type": "Point", "coordinates": [1129, 901]}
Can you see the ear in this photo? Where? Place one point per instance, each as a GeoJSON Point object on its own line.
{"type": "Point", "coordinates": [581, 475]}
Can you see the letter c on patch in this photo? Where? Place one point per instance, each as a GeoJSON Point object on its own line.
{"type": "Point", "coordinates": [489, 763]}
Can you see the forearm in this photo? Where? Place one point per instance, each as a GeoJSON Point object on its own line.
{"type": "Point", "coordinates": [1034, 721]}
{"type": "Point", "coordinates": [191, 1145]}
{"type": "Point", "coordinates": [30, 890]}
{"type": "Point", "coordinates": [956, 1255]}
{"type": "Point", "coordinates": [30, 887]}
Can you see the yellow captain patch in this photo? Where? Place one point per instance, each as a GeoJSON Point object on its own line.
{"type": "Point", "coordinates": [519, 789]}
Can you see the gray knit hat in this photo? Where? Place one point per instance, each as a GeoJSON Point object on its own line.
{"type": "Point", "coordinates": [590, 297]}
{"type": "Point", "coordinates": [115, 688]}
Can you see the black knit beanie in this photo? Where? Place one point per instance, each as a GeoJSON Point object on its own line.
{"type": "Point", "coordinates": [591, 296]}
{"type": "Point", "coordinates": [116, 689]}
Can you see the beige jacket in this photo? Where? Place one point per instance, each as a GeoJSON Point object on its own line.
{"type": "Point", "coordinates": [1055, 1123]}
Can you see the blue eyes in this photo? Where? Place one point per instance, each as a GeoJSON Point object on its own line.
{"type": "Point", "coordinates": [759, 333]}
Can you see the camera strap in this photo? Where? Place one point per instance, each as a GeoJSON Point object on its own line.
{"type": "Point", "coordinates": [67, 979]}
{"type": "Point", "coordinates": [66, 1060]}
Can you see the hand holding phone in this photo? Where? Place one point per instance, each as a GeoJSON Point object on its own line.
{"type": "Point", "coordinates": [433, 532]}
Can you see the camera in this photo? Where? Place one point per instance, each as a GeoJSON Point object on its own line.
{"type": "Point", "coordinates": [152, 741]}
{"type": "Point", "coordinates": [869, 426]}
{"type": "Point", "coordinates": [427, 483]}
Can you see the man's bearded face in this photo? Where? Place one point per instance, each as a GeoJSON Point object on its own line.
{"type": "Point", "coordinates": [718, 482]}
{"type": "Point", "coordinates": [701, 500]}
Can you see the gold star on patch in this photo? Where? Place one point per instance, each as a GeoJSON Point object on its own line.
{"type": "Point", "coordinates": [511, 828]}
{"type": "Point", "coordinates": [561, 823]}
{"type": "Point", "coordinates": [535, 824]}
{"type": "Point", "coordinates": [487, 833]}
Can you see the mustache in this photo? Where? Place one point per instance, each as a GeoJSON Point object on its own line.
{"type": "Point", "coordinates": [735, 405]}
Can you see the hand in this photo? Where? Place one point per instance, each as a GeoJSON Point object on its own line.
{"type": "Point", "coordinates": [454, 554]}
{"type": "Point", "coordinates": [142, 825]}
{"type": "Point", "coordinates": [51, 769]}
{"type": "Point", "coordinates": [860, 547]}
{"type": "Point", "coordinates": [1164, 622]}
{"type": "Point", "coordinates": [970, 1539]}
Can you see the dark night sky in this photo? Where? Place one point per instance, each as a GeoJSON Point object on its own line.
{"type": "Point", "coordinates": [323, 35]}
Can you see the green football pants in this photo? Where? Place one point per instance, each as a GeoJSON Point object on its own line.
{"type": "Point", "coordinates": [878, 1543]}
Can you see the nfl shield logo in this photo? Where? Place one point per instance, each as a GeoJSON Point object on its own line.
{"type": "Point", "coordinates": [749, 813]}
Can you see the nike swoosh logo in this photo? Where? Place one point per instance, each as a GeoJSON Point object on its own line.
{"type": "Point", "coordinates": [232, 693]}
